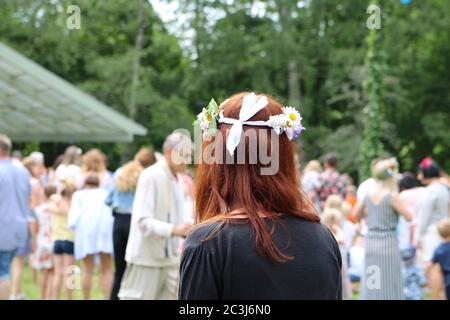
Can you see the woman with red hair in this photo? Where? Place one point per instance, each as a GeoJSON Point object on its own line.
{"type": "Point", "coordinates": [257, 236]}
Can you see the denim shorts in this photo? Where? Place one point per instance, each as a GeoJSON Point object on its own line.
{"type": "Point", "coordinates": [6, 258]}
{"type": "Point", "coordinates": [63, 247]}
{"type": "Point", "coordinates": [25, 248]}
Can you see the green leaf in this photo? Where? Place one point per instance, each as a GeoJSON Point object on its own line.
{"type": "Point", "coordinates": [212, 107]}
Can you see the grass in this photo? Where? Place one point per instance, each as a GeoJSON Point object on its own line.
{"type": "Point", "coordinates": [32, 291]}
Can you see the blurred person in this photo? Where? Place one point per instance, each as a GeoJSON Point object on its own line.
{"type": "Point", "coordinates": [63, 238]}
{"type": "Point", "coordinates": [44, 245]}
{"type": "Point", "coordinates": [411, 193]}
{"type": "Point", "coordinates": [351, 197]}
{"type": "Point", "coordinates": [439, 273]}
{"type": "Point", "coordinates": [158, 219]}
{"type": "Point", "coordinates": [187, 187]}
{"type": "Point", "coordinates": [433, 208]}
{"type": "Point", "coordinates": [381, 208]}
{"type": "Point", "coordinates": [332, 218]}
{"type": "Point", "coordinates": [17, 157]}
{"type": "Point", "coordinates": [146, 157]}
{"type": "Point", "coordinates": [94, 162]}
{"type": "Point", "coordinates": [413, 276]}
{"type": "Point", "coordinates": [120, 198]}
{"type": "Point", "coordinates": [356, 262]}
{"type": "Point", "coordinates": [92, 221]}
{"type": "Point", "coordinates": [69, 168]}
{"type": "Point", "coordinates": [348, 179]}
{"type": "Point", "coordinates": [37, 158]}
{"type": "Point", "coordinates": [311, 174]}
{"type": "Point", "coordinates": [310, 181]}
{"type": "Point", "coordinates": [347, 232]}
{"type": "Point", "coordinates": [349, 228]}
{"type": "Point", "coordinates": [334, 201]}
{"type": "Point", "coordinates": [361, 193]}
{"type": "Point", "coordinates": [27, 251]}
{"type": "Point", "coordinates": [36, 166]}
{"type": "Point", "coordinates": [15, 190]}
{"type": "Point", "coordinates": [37, 192]}
{"type": "Point", "coordinates": [51, 171]}
{"type": "Point", "coordinates": [257, 236]}
{"type": "Point", "coordinates": [330, 181]}
{"type": "Point", "coordinates": [367, 184]}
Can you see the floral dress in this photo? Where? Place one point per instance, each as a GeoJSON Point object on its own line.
{"type": "Point", "coordinates": [44, 243]}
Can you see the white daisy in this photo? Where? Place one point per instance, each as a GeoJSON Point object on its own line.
{"type": "Point", "coordinates": [292, 114]}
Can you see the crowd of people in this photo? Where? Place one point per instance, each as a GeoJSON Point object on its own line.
{"type": "Point", "coordinates": [393, 230]}
{"type": "Point", "coordinates": [388, 238]}
{"type": "Point", "coordinates": [77, 213]}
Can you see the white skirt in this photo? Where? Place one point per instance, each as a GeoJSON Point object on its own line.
{"type": "Point", "coordinates": [430, 241]}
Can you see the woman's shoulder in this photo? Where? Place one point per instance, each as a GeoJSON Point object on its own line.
{"type": "Point", "coordinates": [315, 232]}
{"type": "Point", "coordinates": [298, 222]}
{"type": "Point", "coordinates": [218, 231]}
{"type": "Point", "coordinates": [202, 232]}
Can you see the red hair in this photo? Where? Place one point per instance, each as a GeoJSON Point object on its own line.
{"type": "Point", "coordinates": [223, 187]}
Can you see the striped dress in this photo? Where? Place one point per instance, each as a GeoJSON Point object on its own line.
{"type": "Point", "coordinates": [382, 279]}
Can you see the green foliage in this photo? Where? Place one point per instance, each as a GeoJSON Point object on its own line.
{"type": "Point", "coordinates": [98, 58]}
{"type": "Point", "coordinates": [371, 146]}
{"type": "Point", "coordinates": [360, 92]}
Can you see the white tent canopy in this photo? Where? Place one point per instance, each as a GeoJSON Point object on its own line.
{"type": "Point", "coordinates": [37, 105]}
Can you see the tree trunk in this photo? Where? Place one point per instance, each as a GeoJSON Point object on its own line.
{"type": "Point", "coordinates": [288, 35]}
{"type": "Point", "coordinates": [132, 110]}
{"type": "Point", "coordinates": [293, 83]}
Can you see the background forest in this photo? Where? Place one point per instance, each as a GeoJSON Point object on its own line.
{"type": "Point", "coordinates": [361, 92]}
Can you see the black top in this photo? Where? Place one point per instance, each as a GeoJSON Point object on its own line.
{"type": "Point", "coordinates": [228, 266]}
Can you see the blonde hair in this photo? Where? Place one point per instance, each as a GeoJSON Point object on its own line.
{"type": "Point", "coordinates": [94, 161]}
{"type": "Point", "coordinates": [29, 164]}
{"type": "Point", "coordinates": [444, 228]}
{"type": "Point", "coordinates": [146, 157]}
{"type": "Point", "coordinates": [126, 180]}
{"type": "Point", "coordinates": [71, 155]}
{"type": "Point", "coordinates": [384, 172]}
{"type": "Point", "coordinates": [67, 187]}
{"type": "Point", "coordinates": [333, 202]}
{"type": "Point", "coordinates": [313, 165]}
{"type": "Point", "coordinates": [331, 217]}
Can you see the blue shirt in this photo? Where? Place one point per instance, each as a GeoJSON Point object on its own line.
{"type": "Point", "coordinates": [442, 256]}
{"type": "Point", "coordinates": [15, 189]}
{"type": "Point", "coordinates": [121, 202]}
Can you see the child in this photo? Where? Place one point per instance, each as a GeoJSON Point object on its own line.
{"type": "Point", "coordinates": [332, 218]}
{"type": "Point", "coordinates": [63, 237]}
{"type": "Point", "coordinates": [413, 277]}
{"type": "Point", "coordinates": [348, 227]}
{"type": "Point", "coordinates": [356, 264]}
{"type": "Point", "coordinates": [44, 244]}
{"type": "Point", "coordinates": [92, 221]}
{"type": "Point", "coordinates": [440, 269]}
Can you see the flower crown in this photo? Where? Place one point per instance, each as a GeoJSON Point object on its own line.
{"type": "Point", "coordinates": [392, 167]}
{"type": "Point", "coordinates": [289, 121]}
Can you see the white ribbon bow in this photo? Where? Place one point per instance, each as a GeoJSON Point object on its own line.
{"type": "Point", "coordinates": [250, 106]}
